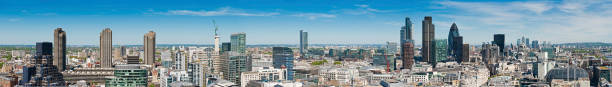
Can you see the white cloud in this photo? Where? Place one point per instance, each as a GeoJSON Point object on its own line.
{"type": "Point", "coordinates": [225, 11]}
{"type": "Point", "coordinates": [313, 16]}
{"type": "Point", "coordinates": [566, 21]}
{"type": "Point", "coordinates": [363, 9]}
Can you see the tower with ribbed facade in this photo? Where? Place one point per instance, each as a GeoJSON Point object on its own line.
{"type": "Point", "coordinates": [149, 48]}
{"type": "Point", "coordinates": [428, 38]}
{"type": "Point", "coordinates": [59, 49]}
{"type": "Point", "coordinates": [106, 47]}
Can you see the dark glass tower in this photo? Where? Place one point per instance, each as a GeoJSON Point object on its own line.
{"type": "Point", "coordinates": [499, 39]}
{"type": "Point", "coordinates": [42, 72]}
{"type": "Point", "coordinates": [428, 39]}
{"type": "Point", "coordinates": [283, 58]}
{"type": "Point", "coordinates": [454, 32]}
{"type": "Point", "coordinates": [458, 50]}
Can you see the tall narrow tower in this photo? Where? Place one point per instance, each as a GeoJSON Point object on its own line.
{"type": "Point", "coordinates": [59, 50]}
{"type": "Point", "coordinates": [303, 43]}
{"type": "Point", "coordinates": [149, 48]}
{"type": "Point", "coordinates": [216, 37]}
{"type": "Point", "coordinates": [407, 45]}
{"type": "Point", "coordinates": [428, 38]}
{"type": "Point", "coordinates": [106, 47]}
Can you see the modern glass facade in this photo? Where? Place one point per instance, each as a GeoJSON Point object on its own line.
{"type": "Point", "coordinates": [130, 75]}
{"type": "Point", "coordinates": [441, 50]}
{"type": "Point", "coordinates": [381, 58]}
{"type": "Point", "coordinates": [238, 42]}
{"type": "Point", "coordinates": [283, 57]}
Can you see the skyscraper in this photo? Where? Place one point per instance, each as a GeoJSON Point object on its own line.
{"type": "Point", "coordinates": [428, 38]}
{"type": "Point", "coordinates": [59, 50]}
{"type": "Point", "coordinates": [149, 48]}
{"type": "Point", "coordinates": [238, 42]}
{"type": "Point", "coordinates": [458, 49]}
{"type": "Point", "coordinates": [236, 58]}
{"type": "Point", "coordinates": [499, 40]}
{"type": "Point", "coordinates": [454, 32]}
{"type": "Point", "coordinates": [106, 47]}
{"type": "Point", "coordinates": [303, 43]}
{"type": "Point", "coordinates": [465, 53]}
{"type": "Point", "coordinates": [441, 50]}
{"type": "Point", "coordinates": [283, 58]}
{"type": "Point", "coordinates": [408, 54]}
{"type": "Point", "coordinates": [42, 72]}
{"type": "Point", "coordinates": [407, 44]}
{"type": "Point", "coordinates": [391, 48]}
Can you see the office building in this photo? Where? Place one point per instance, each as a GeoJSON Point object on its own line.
{"type": "Point", "coordinates": [283, 59]}
{"type": "Point", "coordinates": [428, 37]}
{"type": "Point", "coordinates": [106, 47]}
{"type": "Point", "coordinates": [303, 43]}
{"type": "Point", "coordinates": [238, 42]}
{"type": "Point", "coordinates": [453, 33]}
{"type": "Point", "coordinates": [149, 48]}
{"type": "Point", "coordinates": [408, 55]}
{"type": "Point", "coordinates": [441, 50]}
{"type": "Point", "coordinates": [41, 71]}
{"type": "Point", "coordinates": [236, 64]}
{"type": "Point", "coordinates": [458, 42]}
{"type": "Point", "coordinates": [499, 40]}
{"type": "Point", "coordinates": [225, 46]}
{"type": "Point", "coordinates": [382, 58]}
{"type": "Point", "coordinates": [133, 59]}
{"type": "Point", "coordinates": [128, 75]}
{"type": "Point", "coordinates": [465, 53]}
{"type": "Point", "coordinates": [59, 49]}
{"type": "Point", "coordinates": [391, 48]}
{"type": "Point", "coordinates": [263, 74]}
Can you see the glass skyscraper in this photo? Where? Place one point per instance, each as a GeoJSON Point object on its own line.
{"type": "Point", "coordinates": [441, 50]}
{"type": "Point", "coordinates": [238, 42]}
{"type": "Point", "coordinates": [283, 58]}
{"type": "Point", "coordinates": [499, 40]}
{"type": "Point", "coordinates": [303, 43]}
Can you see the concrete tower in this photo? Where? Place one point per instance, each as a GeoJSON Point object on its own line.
{"type": "Point", "coordinates": [149, 48]}
{"type": "Point", "coordinates": [106, 47]}
{"type": "Point", "coordinates": [59, 50]}
{"type": "Point", "coordinates": [428, 38]}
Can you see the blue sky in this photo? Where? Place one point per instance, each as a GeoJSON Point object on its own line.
{"type": "Point", "coordinates": [278, 21]}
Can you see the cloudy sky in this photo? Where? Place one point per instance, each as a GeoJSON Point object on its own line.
{"type": "Point", "coordinates": [278, 21]}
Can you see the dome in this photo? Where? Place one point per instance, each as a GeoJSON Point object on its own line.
{"type": "Point", "coordinates": [566, 73]}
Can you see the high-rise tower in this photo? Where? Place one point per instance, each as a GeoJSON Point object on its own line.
{"type": "Point", "coordinates": [59, 50]}
{"type": "Point", "coordinates": [106, 47]}
{"type": "Point", "coordinates": [454, 32]}
{"type": "Point", "coordinates": [283, 58]}
{"type": "Point", "coordinates": [428, 38]}
{"type": "Point", "coordinates": [149, 48]}
{"type": "Point", "coordinates": [499, 40]}
{"type": "Point", "coordinates": [216, 37]}
{"type": "Point", "coordinates": [407, 45]}
{"type": "Point", "coordinates": [303, 43]}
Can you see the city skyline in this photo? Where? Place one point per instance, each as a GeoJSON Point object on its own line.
{"type": "Point", "coordinates": [369, 22]}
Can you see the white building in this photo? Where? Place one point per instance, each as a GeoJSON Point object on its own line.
{"type": "Point", "coordinates": [342, 75]}
{"type": "Point", "coordinates": [275, 84]}
{"type": "Point", "coordinates": [262, 74]}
